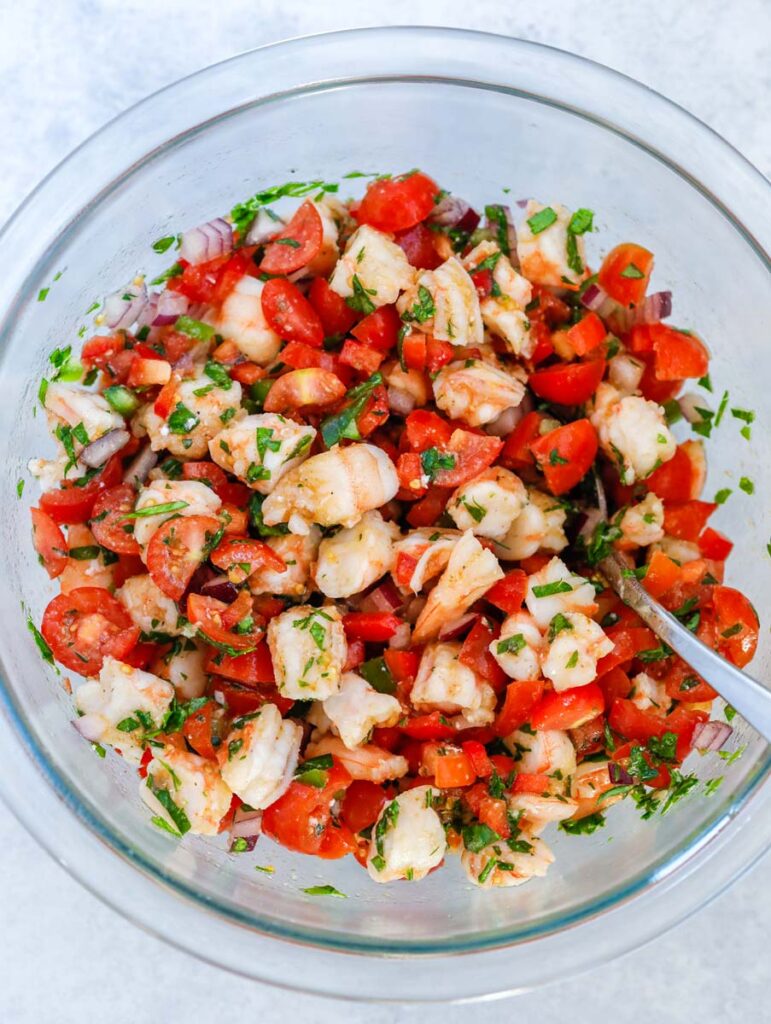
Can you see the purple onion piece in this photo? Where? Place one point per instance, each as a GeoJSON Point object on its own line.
{"type": "Point", "coordinates": [656, 307]}
{"type": "Point", "coordinates": [264, 226]}
{"type": "Point", "coordinates": [522, 203]}
{"type": "Point", "coordinates": [140, 466]}
{"type": "Point", "coordinates": [452, 630]}
{"type": "Point", "coordinates": [220, 588]}
{"type": "Point", "coordinates": [99, 451]}
{"type": "Point", "coordinates": [454, 212]}
{"type": "Point", "coordinates": [618, 775]}
{"type": "Point", "coordinates": [122, 308]}
{"type": "Point", "coordinates": [207, 241]}
{"type": "Point", "coordinates": [170, 306]}
{"type": "Point", "coordinates": [147, 316]}
{"type": "Point", "coordinates": [242, 844]}
{"type": "Point", "coordinates": [711, 735]}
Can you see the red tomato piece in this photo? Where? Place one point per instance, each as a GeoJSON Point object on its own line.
{"type": "Point", "coordinates": [683, 684]}
{"type": "Point", "coordinates": [176, 549]}
{"type": "Point", "coordinates": [475, 654]}
{"type": "Point", "coordinates": [521, 697]}
{"type": "Point", "coordinates": [72, 504]}
{"type": "Point", "coordinates": [714, 544]}
{"type": "Point", "coordinates": [614, 684]}
{"type": "Point", "coordinates": [625, 273]}
{"type": "Point", "coordinates": [661, 575]}
{"type": "Point", "coordinates": [362, 358]}
{"type": "Point", "coordinates": [362, 804]}
{"type": "Point", "coordinates": [375, 412]}
{"type": "Point", "coordinates": [297, 244]}
{"type": "Point", "coordinates": [480, 762]}
{"type": "Point", "coordinates": [101, 351]}
{"type": "Point", "coordinates": [516, 452]}
{"type": "Point", "coordinates": [452, 769]}
{"type": "Point", "coordinates": [372, 627]}
{"type": "Point", "coordinates": [108, 521]}
{"type": "Point", "coordinates": [438, 354]}
{"type": "Point", "coordinates": [215, 619]}
{"type": "Point", "coordinates": [252, 668]}
{"type": "Point", "coordinates": [686, 519]}
{"type": "Point", "coordinates": [290, 314]}
{"type": "Point", "coordinates": [402, 664]}
{"type": "Point", "coordinates": [587, 335]}
{"type": "Point", "coordinates": [677, 355]}
{"type": "Point", "coordinates": [86, 625]}
{"type": "Point", "coordinates": [49, 543]}
{"type": "Point", "coordinates": [568, 383]}
{"type": "Point", "coordinates": [197, 730]}
{"type": "Point", "coordinates": [199, 282]}
{"type": "Point", "coordinates": [148, 373]}
{"type": "Point", "coordinates": [207, 473]}
{"type": "Point", "coordinates": [509, 592]}
{"type": "Point", "coordinates": [568, 709]}
{"type": "Point", "coordinates": [529, 782]}
{"type": "Point", "coordinates": [426, 511]}
{"type": "Point", "coordinates": [674, 480]}
{"type": "Point", "coordinates": [472, 453]}
{"type": "Point", "coordinates": [242, 700]}
{"type": "Point", "coordinates": [424, 429]}
{"type": "Point", "coordinates": [414, 352]}
{"type": "Point", "coordinates": [418, 246]}
{"type": "Point", "coordinates": [652, 388]}
{"type": "Point", "coordinates": [239, 557]}
{"type": "Point", "coordinates": [627, 642]}
{"type": "Point", "coordinates": [737, 625]}
{"type": "Point", "coordinates": [428, 727]}
{"type": "Point", "coordinates": [395, 204]}
{"type": "Point", "coordinates": [335, 314]}
{"type": "Point", "coordinates": [302, 820]}
{"type": "Point", "coordinates": [379, 330]}
{"type": "Point", "coordinates": [566, 454]}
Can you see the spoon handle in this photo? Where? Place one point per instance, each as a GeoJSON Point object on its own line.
{"type": "Point", "coordinates": [750, 698]}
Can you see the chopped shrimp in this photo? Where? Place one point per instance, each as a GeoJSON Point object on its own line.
{"type": "Point", "coordinates": [372, 268]}
{"type": "Point", "coordinates": [408, 839]}
{"type": "Point", "coordinates": [412, 383]}
{"type": "Point", "coordinates": [258, 756]}
{"type": "Point", "coordinates": [299, 553]}
{"type": "Point", "coordinates": [71, 406]}
{"type": "Point", "coordinates": [200, 501]}
{"type": "Point", "coordinates": [444, 303]}
{"type": "Point", "coordinates": [368, 763]}
{"type": "Point", "coordinates": [650, 694]}
{"type": "Point", "coordinates": [499, 865]}
{"type": "Point", "coordinates": [308, 648]}
{"type": "Point", "coordinates": [444, 684]}
{"type": "Point", "coordinates": [544, 256]}
{"type": "Point", "coordinates": [470, 572]}
{"type": "Point", "coordinates": [149, 607]}
{"type": "Point", "coordinates": [357, 708]}
{"type": "Point", "coordinates": [337, 486]}
{"type": "Point", "coordinates": [633, 432]}
{"type": "Point", "coordinates": [542, 753]}
{"type": "Point", "coordinates": [194, 419]}
{"type": "Point", "coordinates": [488, 504]}
{"type": "Point", "coordinates": [556, 589]}
{"type": "Point", "coordinates": [642, 524]}
{"type": "Point", "coordinates": [588, 783]}
{"type": "Point", "coordinates": [477, 392]}
{"type": "Point", "coordinates": [519, 650]}
{"type": "Point", "coordinates": [538, 527]}
{"type": "Point", "coordinates": [504, 312]}
{"type": "Point", "coordinates": [682, 551]}
{"type": "Point", "coordinates": [243, 322]}
{"type": "Point", "coordinates": [261, 449]}
{"type": "Point", "coordinates": [193, 783]}
{"type": "Point", "coordinates": [84, 572]}
{"type": "Point", "coordinates": [574, 652]}
{"type": "Point", "coordinates": [355, 557]}
{"type": "Point", "coordinates": [184, 669]}
{"type": "Point", "coordinates": [429, 550]}
{"type": "Point", "coordinates": [539, 811]}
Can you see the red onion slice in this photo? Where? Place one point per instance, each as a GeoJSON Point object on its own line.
{"type": "Point", "coordinates": [400, 402]}
{"type": "Point", "coordinates": [619, 776]}
{"type": "Point", "coordinates": [711, 735]}
{"type": "Point", "coordinates": [503, 425]}
{"type": "Point", "coordinates": [170, 306]}
{"type": "Point", "coordinates": [264, 226]}
{"type": "Point", "coordinates": [246, 825]}
{"type": "Point", "coordinates": [207, 241]}
{"type": "Point", "coordinates": [452, 211]}
{"type": "Point", "coordinates": [385, 598]}
{"type": "Point", "coordinates": [140, 466]}
{"type": "Point", "coordinates": [690, 403]}
{"type": "Point", "coordinates": [99, 451]}
{"type": "Point", "coordinates": [452, 630]}
{"type": "Point", "coordinates": [122, 308]}
{"type": "Point", "coordinates": [220, 588]}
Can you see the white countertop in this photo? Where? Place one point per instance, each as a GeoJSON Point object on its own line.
{"type": "Point", "coordinates": [68, 67]}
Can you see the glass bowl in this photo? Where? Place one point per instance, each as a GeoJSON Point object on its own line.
{"type": "Point", "coordinates": [483, 114]}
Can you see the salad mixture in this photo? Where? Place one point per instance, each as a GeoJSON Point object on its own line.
{"type": "Point", "coordinates": [326, 516]}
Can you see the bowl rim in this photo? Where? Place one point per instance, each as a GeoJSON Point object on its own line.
{"type": "Point", "coordinates": [79, 806]}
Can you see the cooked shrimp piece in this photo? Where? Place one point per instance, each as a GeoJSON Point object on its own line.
{"type": "Point", "coordinates": [682, 551]}
{"type": "Point", "coordinates": [498, 865]}
{"type": "Point", "coordinates": [184, 668]}
{"type": "Point", "coordinates": [193, 784]}
{"type": "Point", "coordinates": [470, 572]}
{"type": "Point", "coordinates": [443, 683]}
{"type": "Point", "coordinates": [299, 552]}
{"type": "Point", "coordinates": [488, 504]}
{"type": "Point", "coordinates": [194, 420]}
{"type": "Point", "coordinates": [642, 524]}
{"type": "Point", "coordinates": [590, 781]}
{"type": "Point", "coordinates": [477, 392]}
{"type": "Point", "coordinates": [80, 571]}
{"type": "Point", "coordinates": [357, 708]}
{"type": "Point", "coordinates": [408, 384]}
{"type": "Point", "coordinates": [556, 589]}
{"type": "Point", "coordinates": [261, 449]}
{"type": "Point", "coordinates": [408, 839]}
{"type": "Point", "coordinates": [574, 652]}
{"type": "Point", "coordinates": [114, 699]}
{"type": "Point", "coordinates": [355, 557]}
{"type": "Point", "coordinates": [50, 472]}
{"type": "Point", "coordinates": [633, 432]}
{"type": "Point", "coordinates": [540, 526]}
{"type": "Point", "coordinates": [368, 762]}
{"type": "Point", "coordinates": [199, 500]}
{"type": "Point", "coordinates": [373, 269]}
{"type": "Point", "coordinates": [536, 812]}
{"type": "Point", "coordinates": [423, 554]}
{"type": "Point", "coordinates": [337, 486]}
{"type": "Point", "coordinates": [544, 255]}
{"type": "Point", "coordinates": [444, 304]}
{"type": "Point", "coordinates": [259, 755]}
{"type": "Point", "coordinates": [149, 607]}
{"type": "Point", "coordinates": [543, 752]}
{"type": "Point", "coordinates": [309, 649]}
{"type": "Point", "coordinates": [520, 648]}
{"type": "Point", "coordinates": [243, 322]}
{"type": "Point", "coordinates": [650, 694]}
{"type": "Point", "coordinates": [71, 406]}
{"type": "Point", "coordinates": [503, 312]}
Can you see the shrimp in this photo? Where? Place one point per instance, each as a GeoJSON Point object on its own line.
{"type": "Point", "coordinates": [199, 500]}
{"type": "Point", "coordinates": [536, 812]}
{"type": "Point", "coordinates": [195, 418]}
{"type": "Point", "coordinates": [373, 269]}
{"type": "Point", "coordinates": [149, 607]}
{"type": "Point", "coordinates": [478, 392]}
{"type": "Point", "coordinates": [642, 524]}
{"type": "Point", "coordinates": [519, 650]}
{"type": "Point", "coordinates": [633, 432]}
{"type": "Point", "coordinates": [488, 504]}
{"type": "Point", "coordinates": [542, 753]}
{"type": "Point", "coordinates": [243, 322]}
{"type": "Point", "coordinates": [299, 553]}
{"type": "Point", "coordinates": [355, 557]}
{"type": "Point", "coordinates": [556, 589]}
{"type": "Point", "coordinates": [408, 839]}
{"type": "Point", "coordinates": [69, 406]}
{"type": "Point", "coordinates": [337, 486]}
{"type": "Point", "coordinates": [367, 763]}
{"type": "Point", "coordinates": [443, 683]}
{"type": "Point", "coordinates": [681, 551]}
{"type": "Point", "coordinates": [545, 254]}
{"type": "Point", "coordinates": [504, 312]}
{"type": "Point", "coordinates": [444, 303]}
{"type": "Point", "coordinates": [588, 784]}
{"type": "Point", "coordinates": [423, 554]}
{"type": "Point", "coordinates": [184, 667]}
{"type": "Point", "coordinates": [192, 783]}
{"type": "Point", "coordinates": [413, 384]}
{"type": "Point", "coordinates": [308, 648]}
{"type": "Point", "coordinates": [650, 694]}
{"type": "Point", "coordinates": [540, 526]}
{"type": "Point", "coordinates": [470, 572]}
{"type": "Point", "coordinates": [499, 865]}
{"type": "Point", "coordinates": [261, 449]}
{"type": "Point", "coordinates": [357, 708]}
{"type": "Point", "coordinates": [258, 756]}
{"type": "Point", "coordinates": [574, 652]}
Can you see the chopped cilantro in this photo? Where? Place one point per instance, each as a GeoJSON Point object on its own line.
{"type": "Point", "coordinates": [549, 589]}
{"type": "Point", "coordinates": [360, 301]}
{"type": "Point", "coordinates": [583, 826]}
{"type": "Point", "coordinates": [432, 461]}
{"type": "Point", "coordinates": [324, 890]}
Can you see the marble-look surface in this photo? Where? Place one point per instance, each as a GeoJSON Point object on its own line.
{"type": "Point", "coordinates": [66, 68]}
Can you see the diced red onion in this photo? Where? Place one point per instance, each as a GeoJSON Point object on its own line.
{"type": "Point", "coordinates": [147, 316]}
{"type": "Point", "coordinates": [503, 425]}
{"type": "Point", "coordinates": [598, 301]}
{"type": "Point", "coordinates": [656, 307]}
{"type": "Point", "coordinates": [452, 630]}
{"type": "Point", "coordinates": [207, 241]}
{"type": "Point", "coordinates": [711, 735]}
{"type": "Point", "coordinates": [400, 402]}
{"type": "Point", "coordinates": [385, 598]}
{"type": "Point", "coordinates": [140, 466]}
{"type": "Point", "coordinates": [245, 843]}
{"type": "Point", "coordinates": [99, 451]}
{"type": "Point", "coordinates": [625, 372]}
{"type": "Point", "coordinates": [246, 825]}
{"type": "Point", "coordinates": [170, 306]}
{"type": "Point", "coordinates": [122, 308]}
{"type": "Point", "coordinates": [454, 212]}
{"type": "Point", "coordinates": [593, 517]}
{"type": "Point", "coordinates": [263, 227]}
{"type": "Point", "coordinates": [690, 403]}
{"type": "Point", "coordinates": [90, 727]}
{"type": "Point", "coordinates": [522, 203]}
{"type": "Point", "coordinates": [220, 588]}
{"type": "Point", "coordinates": [619, 776]}
{"type": "Point", "coordinates": [402, 638]}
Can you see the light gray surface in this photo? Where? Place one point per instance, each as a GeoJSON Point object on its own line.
{"type": "Point", "coordinates": [66, 68]}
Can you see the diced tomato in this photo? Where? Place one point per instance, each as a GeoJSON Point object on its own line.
{"type": "Point", "coordinates": [297, 244]}
{"type": "Point", "coordinates": [424, 429]}
{"type": "Point", "coordinates": [683, 684]}
{"type": "Point", "coordinates": [677, 355]}
{"type": "Point", "coordinates": [395, 204]}
{"type": "Point", "coordinates": [521, 697]}
{"type": "Point", "coordinates": [362, 358]}
{"type": "Point", "coordinates": [199, 282]}
{"type": "Point", "coordinates": [489, 810]}
{"type": "Point", "coordinates": [587, 335]}
{"type": "Point", "coordinates": [451, 768]}
{"type": "Point", "coordinates": [414, 351]}
{"type": "Point", "coordinates": [49, 543]}
{"type": "Point", "coordinates": [566, 454]}
{"type": "Point", "coordinates": [544, 346]}
{"type": "Point", "coordinates": [737, 625]}
{"type": "Point", "coordinates": [166, 398]}
{"type": "Point", "coordinates": [85, 626]}
{"type": "Point", "coordinates": [614, 684]}
{"type": "Point", "coordinates": [426, 511]}
{"type": "Point", "coordinates": [197, 730]}
{"type": "Point", "coordinates": [302, 819]}
{"type": "Point", "coordinates": [247, 373]}
{"type": "Point", "coordinates": [662, 574]}
{"type": "Point", "coordinates": [474, 654]}
{"type": "Point", "coordinates": [144, 654]}
{"type": "Point", "coordinates": [335, 314]}
{"type": "Point", "coordinates": [375, 412]}
{"type": "Point", "coordinates": [101, 350]}
{"type": "Point", "coordinates": [379, 330]}
{"type": "Point", "coordinates": [108, 522]}
{"type": "Point", "coordinates": [621, 755]}
{"type": "Point", "coordinates": [73, 504]}
{"type": "Point", "coordinates": [402, 664]}
{"type": "Point", "coordinates": [714, 544]}
{"type": "Point", "coordinates": [300, 356]}
{"type": "Point", "coordinates": [433, 726]}
{"type": "Point", "coordinates": [214, 617]}
{"type": "Point", "coordinates": [686, 519]}
{"type": "Point", "coordinates": [625, 273]}
{"type": "Point", "coordinates": [472, 453]}
{"type": "Point", "coordinates": [629, 721]}
{"type": "Point", "coordinates": [207, 473]}
{"type": "Point", "coordinates": [527, 782]}
{"type": "Point", "coordinates": [674, 480]}
{"type": "Point", "coordinates": [569, 708]}
{"type": "Point", "coordinates": [418, 246]}
{"type": "Point", "coordinates": [516, 453]}
{"type": "Point", "coordinates": [243, 700]}
{"type": "Point", "coordinates": [176, 549]}
{"type": "Point", "coordinates": [652, 388]}
{"type": "Point", "coordinates": [548, 307]}
{"type": "Point", "coordinates": [483, 282]}
{"type": "Point", "coordinates": [438, 354]}
{"type": "Point", "coordinates": [239, 557]}
{"type": "Point", "coordinates": [509, 592]}
{"type": "Point", "coordinates": [480, 762]}
{"type": "Point", "coordinates": [362, 804]}
{"type": "Point", "coordinates": [568, 383]}
{"type": "Point", "coordinates": [148, 373]}
{"type": "Point", "coordinates": [290, 314]}
{"type": "Point", "coordinates": [627, 642]}
{"type": "Point", "coordinates": [372, 627]}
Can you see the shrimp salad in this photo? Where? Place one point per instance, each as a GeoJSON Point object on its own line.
{"type": "Point", "coordinates": [325, 517]}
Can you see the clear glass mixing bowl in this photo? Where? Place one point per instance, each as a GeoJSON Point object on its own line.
{"type": "Point", "coordinates": [481, 113]}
